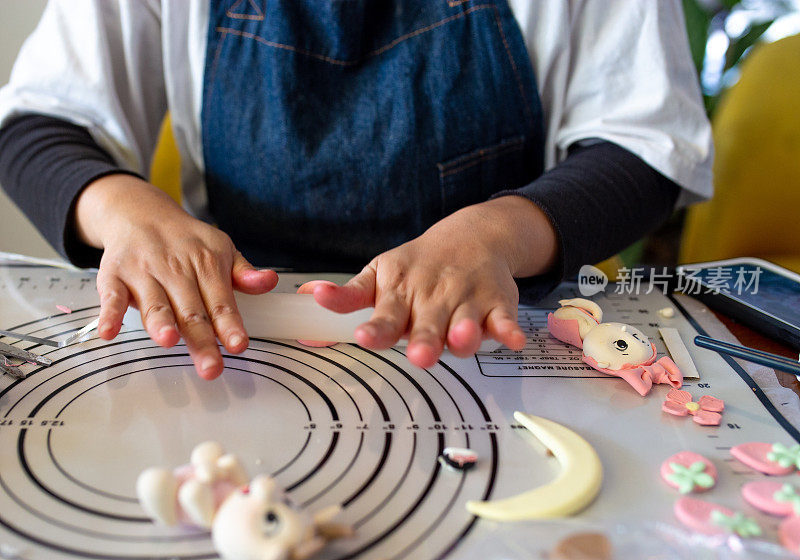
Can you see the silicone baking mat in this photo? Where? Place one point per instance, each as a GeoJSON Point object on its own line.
{"type": "Point", "coordinates": [335, 425]}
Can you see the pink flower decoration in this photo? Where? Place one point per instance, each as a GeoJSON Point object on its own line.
{"type": "Point", "coordinates": [705, 411]}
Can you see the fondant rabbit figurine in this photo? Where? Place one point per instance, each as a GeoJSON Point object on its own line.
{"type": "Point", "coordinates": [612, 348]}
{"type": "Point", "coordinates": [247, 522]}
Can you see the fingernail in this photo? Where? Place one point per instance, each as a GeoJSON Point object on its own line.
{"type": "Point", "coordinates": [208, 364]}
{"type": "Point", "coordinates": [235, 340]}
{"type": "Point", "coordinates": [369, 330]}
{"type": "Point", "coordinates": [420, 345]}
{"type": "Point", "coordinates": [165, 329]}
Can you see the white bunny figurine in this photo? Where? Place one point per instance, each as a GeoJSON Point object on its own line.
{"type": "Point", "coordinates": [247, 522]}
{"type": "Point", "coordinates": [613, 348]}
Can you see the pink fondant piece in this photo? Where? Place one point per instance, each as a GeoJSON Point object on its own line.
{"type": "Point", "coordinates": [183, 473]}
{"type": "Point", "coordinates": [686, 459]}
{"type": "Point", "coordinates": [565, 330]}
{"type": "Point", "coordinates": [754, 455]}
{"type": "Point", "coordinates": [665, 372]}
{"type": "Point", "coordinates": [221, 489]}
{"type": "Point", "coordinates": [712, 404]}
{"type": "Point", "coordinates": [632, 376]}
{"type": "Point", "coordinates": [707, 418]}
{"type": "Point", "coordinates": [703, 412]}
{"type": "Point", "coordinates": [636, 378]}
{"type": "Point", "coordinates": [696, 515]}
{"type": "Point", "coordinates": [642, 376]}
{"type": "Point", "coordinates": [761, 495]}
{"type": "Point", "coordinates": [678, 396]}
{"type": "Point", "coordinates": [676, 409]}
{"type": "Point", "coordinates": [789, 534]}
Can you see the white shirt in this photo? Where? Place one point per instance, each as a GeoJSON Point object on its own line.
{"type": "Point", "coordinates": [619, 70]}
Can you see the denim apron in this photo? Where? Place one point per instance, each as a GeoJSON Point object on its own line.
{"type": "Point", "coordinates": [334, 130]}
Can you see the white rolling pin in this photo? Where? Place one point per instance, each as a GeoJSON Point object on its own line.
{"type": "Point", "coordinates": [297, 317]}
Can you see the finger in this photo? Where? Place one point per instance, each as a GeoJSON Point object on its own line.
{"type": "Point", "coordinates": [501, 324]}
{"type": "Point", "coordinates": [195, 327]}
{"type": "Point", "coordinates": [248, 280]}
{"type": "Point", "coordinates": [464, 333]}
{"type": "Point", "coordinates": [308, 288]}
{"type": "Point", "coordinates": [387, 324]}
{"type": "Point", "coordinates": [114, 299]}
{"type": "Point", "coordinates": [217, 294]}
{"type": "Point", "coordinates": [157, 316]}
{"type": "Point", "coordinates": [357, 294]}
{"type": "Point", "coordinates": [428, 331]}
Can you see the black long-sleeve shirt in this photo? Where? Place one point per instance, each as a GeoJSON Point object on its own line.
{"type": "Point", "coordinates": [599, 199]}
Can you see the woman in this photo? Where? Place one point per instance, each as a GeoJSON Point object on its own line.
{"type": "Point", "coordinates": [464, 150]}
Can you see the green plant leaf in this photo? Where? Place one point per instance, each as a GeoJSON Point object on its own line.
{"type": "Point", "coordinates": [698, 20]}
{"type": "Point", "coordinates": [738, 46]}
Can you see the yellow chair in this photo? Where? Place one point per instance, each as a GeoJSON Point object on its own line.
{"type": "Point", "coordinates": [165, 169]}
{"type": "Point", "coordinates": [756, 206]}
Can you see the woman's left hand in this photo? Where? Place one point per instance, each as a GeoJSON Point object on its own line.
{"type": "Point", "coordinates": [453, 285]}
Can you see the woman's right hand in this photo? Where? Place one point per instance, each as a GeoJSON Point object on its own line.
{"type": "Point", "coordinates": [179, 271]}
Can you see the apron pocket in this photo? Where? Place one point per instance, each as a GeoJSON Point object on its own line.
{"type": "Point", "coordinates": [474, 177]}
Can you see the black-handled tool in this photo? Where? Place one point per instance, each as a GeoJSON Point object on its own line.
{"type": "Point", "coordinates": [750, 354]}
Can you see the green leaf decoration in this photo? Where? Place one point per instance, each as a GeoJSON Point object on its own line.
{"type": "Point", "coordinates": [736, 523]}
{"type": "Point", "coordinates": [704, 480]}
{"type": "Point", "coordinates": [788, 493]}
{"type": "Point", "coordinates": [687, 478]}
{"type": "Point", "coordinates": [785, 456]}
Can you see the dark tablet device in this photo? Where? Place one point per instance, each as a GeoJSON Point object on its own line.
{"type": "Point", "coordinates": [759, 294]}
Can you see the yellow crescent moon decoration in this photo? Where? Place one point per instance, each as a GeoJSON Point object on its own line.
{"type": "Point", "coordinates": [574, 488]}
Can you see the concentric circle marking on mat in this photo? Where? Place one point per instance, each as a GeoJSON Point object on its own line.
{"type": "Point", "coordinates": [365, 431]}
